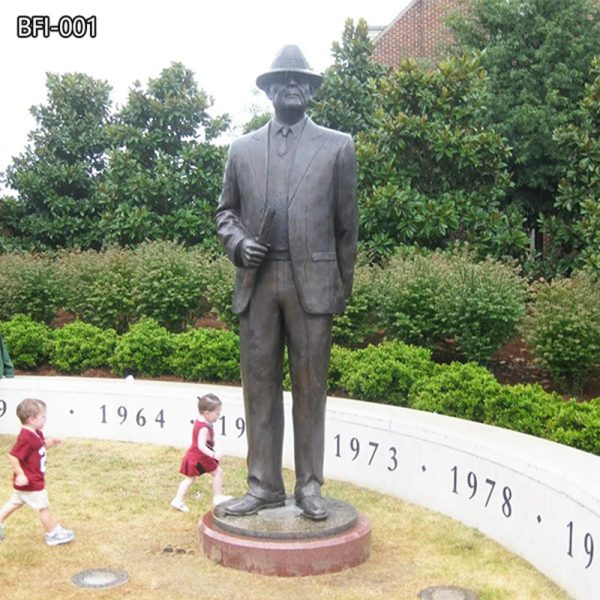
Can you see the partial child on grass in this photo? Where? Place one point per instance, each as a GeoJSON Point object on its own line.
{"type": "Point", "coordinates": [201, 456]}
{"type": "Point", "coordinates": [28, 460]}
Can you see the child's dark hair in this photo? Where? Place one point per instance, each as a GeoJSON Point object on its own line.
{"type": "Point", "coordinates": [30, 407]}
{"type": "Point", "coordinates": [208, 402]}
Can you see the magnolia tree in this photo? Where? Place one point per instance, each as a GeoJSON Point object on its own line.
{"type": "Point", "coordinates": [432, 173]}
{"type": "Point", "coordinates": [577, 223]}
{"type": "Point", "coordinates": [537, 54]}
{"type": "Point", "coordinates": [91, 178]}
{"type": "Point", "coordinates": [57, 175]}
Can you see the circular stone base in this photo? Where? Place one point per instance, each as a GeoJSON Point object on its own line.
{"type": "Point", "coordinates": [286, 557]}
{"type": "Point", "coordinates": [287, 522]}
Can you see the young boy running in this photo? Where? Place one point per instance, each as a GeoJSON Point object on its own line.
{"type": "Point", "coordinates": [28, 460]}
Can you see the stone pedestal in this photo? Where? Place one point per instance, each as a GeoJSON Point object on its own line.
{"type": "Point", "coordinates": [280, 541]}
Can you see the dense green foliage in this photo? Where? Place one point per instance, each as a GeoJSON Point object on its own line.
{"type": "Point", "coordinates": [97, 286]}
{"type": "Point", "coordinates": [439, 299]}
{"type": "Point", "coordinates": [577, 424]}
{"type": "Point", "coordinates": [345, 99]}
{"type": "Point", "coordinates": [219, 290]}
{"type": "Point", "coordinates": [58, 173]}
{"type": "Point", "coordinates": [575, 226]}
{"type": "Point", "coordinates": [563, 328]}
{"type": "Point", "coordinates": [468, 391]}
{"type": "Point", "coordinates": [169, 284]}
{"type": "Point", "coordinates": [359, 322]}
{"type": "Point", "coordinates": [29, 285]}
{"type": "Point", "coordinates": [144, 350]}
{"type": "Point", "coordinates": [116, 287]}
{"type": "Point", "coordinates": [390, 373]}
{"type": "Point", "coordinates": [28, 340]}
{"type": "Point", "coordinates": [80, 346]}
{"type": "Point", "coordinates": [90, 178]}
{"type": "Point", "coordinates": [422, 299]}
{"type": "Point", "coordinates": [206, 355]}
{"type": "Point", "coordinates": [164, 176]}
{"type": "Point", "coordinates": [337, 366]}
{"type": "Point", "coordinates": [525, 407]}
{"type": "Point", "coordinates": [385, 373]}
{"type": "Point", "coordinates": [458, 390]}
{"type": "Point", "coordinates": [431, 172]}
{"type": "Point", "coordinates": [537, 54]}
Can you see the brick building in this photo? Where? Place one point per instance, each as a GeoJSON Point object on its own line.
{"type": "Point", "coordinates": [417, 32]}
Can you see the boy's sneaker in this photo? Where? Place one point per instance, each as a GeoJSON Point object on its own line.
{"type": "Point", "coordinates": [221, 499]}
{"type": "Point", "coordinates": [1, 532]}
{"type": "Point", "coordinates": [177, 505]}
{"type": "Point", "coordinates": [59, 536]}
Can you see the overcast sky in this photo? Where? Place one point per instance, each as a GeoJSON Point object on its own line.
{"type": "Point", "coordinates": [225, 42]}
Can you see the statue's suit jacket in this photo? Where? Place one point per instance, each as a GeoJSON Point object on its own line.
{"type": "Point", "coordinates": [322, 213]}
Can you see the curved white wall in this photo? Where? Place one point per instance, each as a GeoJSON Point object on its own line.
{"type": "Point", "coordinates": [538, 499]}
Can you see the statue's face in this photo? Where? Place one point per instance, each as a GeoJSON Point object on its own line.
{"type": "Point", "coordinates": [290, 92]}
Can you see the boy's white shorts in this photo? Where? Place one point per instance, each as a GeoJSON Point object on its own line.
{"type": "Point", "coordinates": [36, 500]}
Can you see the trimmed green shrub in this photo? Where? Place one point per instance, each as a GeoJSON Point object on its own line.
{"type": "Point", "coordinates": [385, 373]}
{"type": "Point", "coordinates": [97, 286]}
{"type": "Point", "coordinates": [458, 390]}
{"type": "Point", "coordinates": [28, 342]}
{"type": "Point", "coordinates": [29, 286]}
{"type": "Point", "coordinates": [358, 322]}
{"type": "Point", "coordinates": [406, 292]}
{"type": "Point", "coordinates": [169, 284]}
{"type": "Point", "coordinates": [563, 328]}
{"type": "Point", "coordinates": [577, 424]}
{"type": "Point", "coordinates": [143, 350]}
{"type": "Point", "coordinates": [80, 346]}
{"type": "Point", "coordinates": [221, 278]}
{"type": "Point", "coordinates": [430, 300]}
{"type": "Point", "coordinates": [338, 363]}
{"type": "Point", "coordinates": [526, 408]}
{"type": "Point", "coordinates": [206, 355]}
{"type": "Point", "coordinates": [479, 305]}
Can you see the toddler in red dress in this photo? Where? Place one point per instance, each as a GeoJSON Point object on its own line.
{"type": "Point", "coordinates": [201, 456]}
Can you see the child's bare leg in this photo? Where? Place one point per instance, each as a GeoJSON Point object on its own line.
{"type": "Point", "coordinates": [47, 521]}
{"type": "Point", "coordinates": [8, 509]}
{"type": "Point", "coordinates": [217, 475]}
{"type": "Point", "coordinates": [184, 487]}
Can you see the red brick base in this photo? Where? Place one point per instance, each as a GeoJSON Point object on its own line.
{"type": "Point", "coordinates": [287, 558]}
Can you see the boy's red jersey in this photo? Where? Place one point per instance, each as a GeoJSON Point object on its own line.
{"type": "Point", "coordinates": [30, 449]}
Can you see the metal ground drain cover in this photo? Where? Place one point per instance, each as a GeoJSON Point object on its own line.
{"type": "Point", "coordinates": [99, 579]}
{"type": "Point", "coordinates": [447, 593]}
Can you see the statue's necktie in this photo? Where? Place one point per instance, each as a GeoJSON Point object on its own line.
{"type": "Point", "coordinates": [282, 140]}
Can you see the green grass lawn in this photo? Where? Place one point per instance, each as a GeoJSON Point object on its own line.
{"type": "Point", "coordinates": [116, 495]}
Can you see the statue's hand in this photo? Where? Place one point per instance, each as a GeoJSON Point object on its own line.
{"type": "Point", "coordinates": [253, 252]}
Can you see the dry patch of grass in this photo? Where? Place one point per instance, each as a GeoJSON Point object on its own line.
{"type": "Point", "coordinates": [116, 497]}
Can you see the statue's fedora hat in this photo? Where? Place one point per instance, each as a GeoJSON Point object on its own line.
{"type": "Point", "coordinates": [289, 60]}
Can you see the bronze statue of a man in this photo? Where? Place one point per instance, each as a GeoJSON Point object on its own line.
{"type": "Point", "coordinates": [296, 181]}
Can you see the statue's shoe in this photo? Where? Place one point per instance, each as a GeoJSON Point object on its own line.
{"type": "Point", "coordinates": [313, 507]}
{"type": "Point", "coordinates": [250, 505]}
